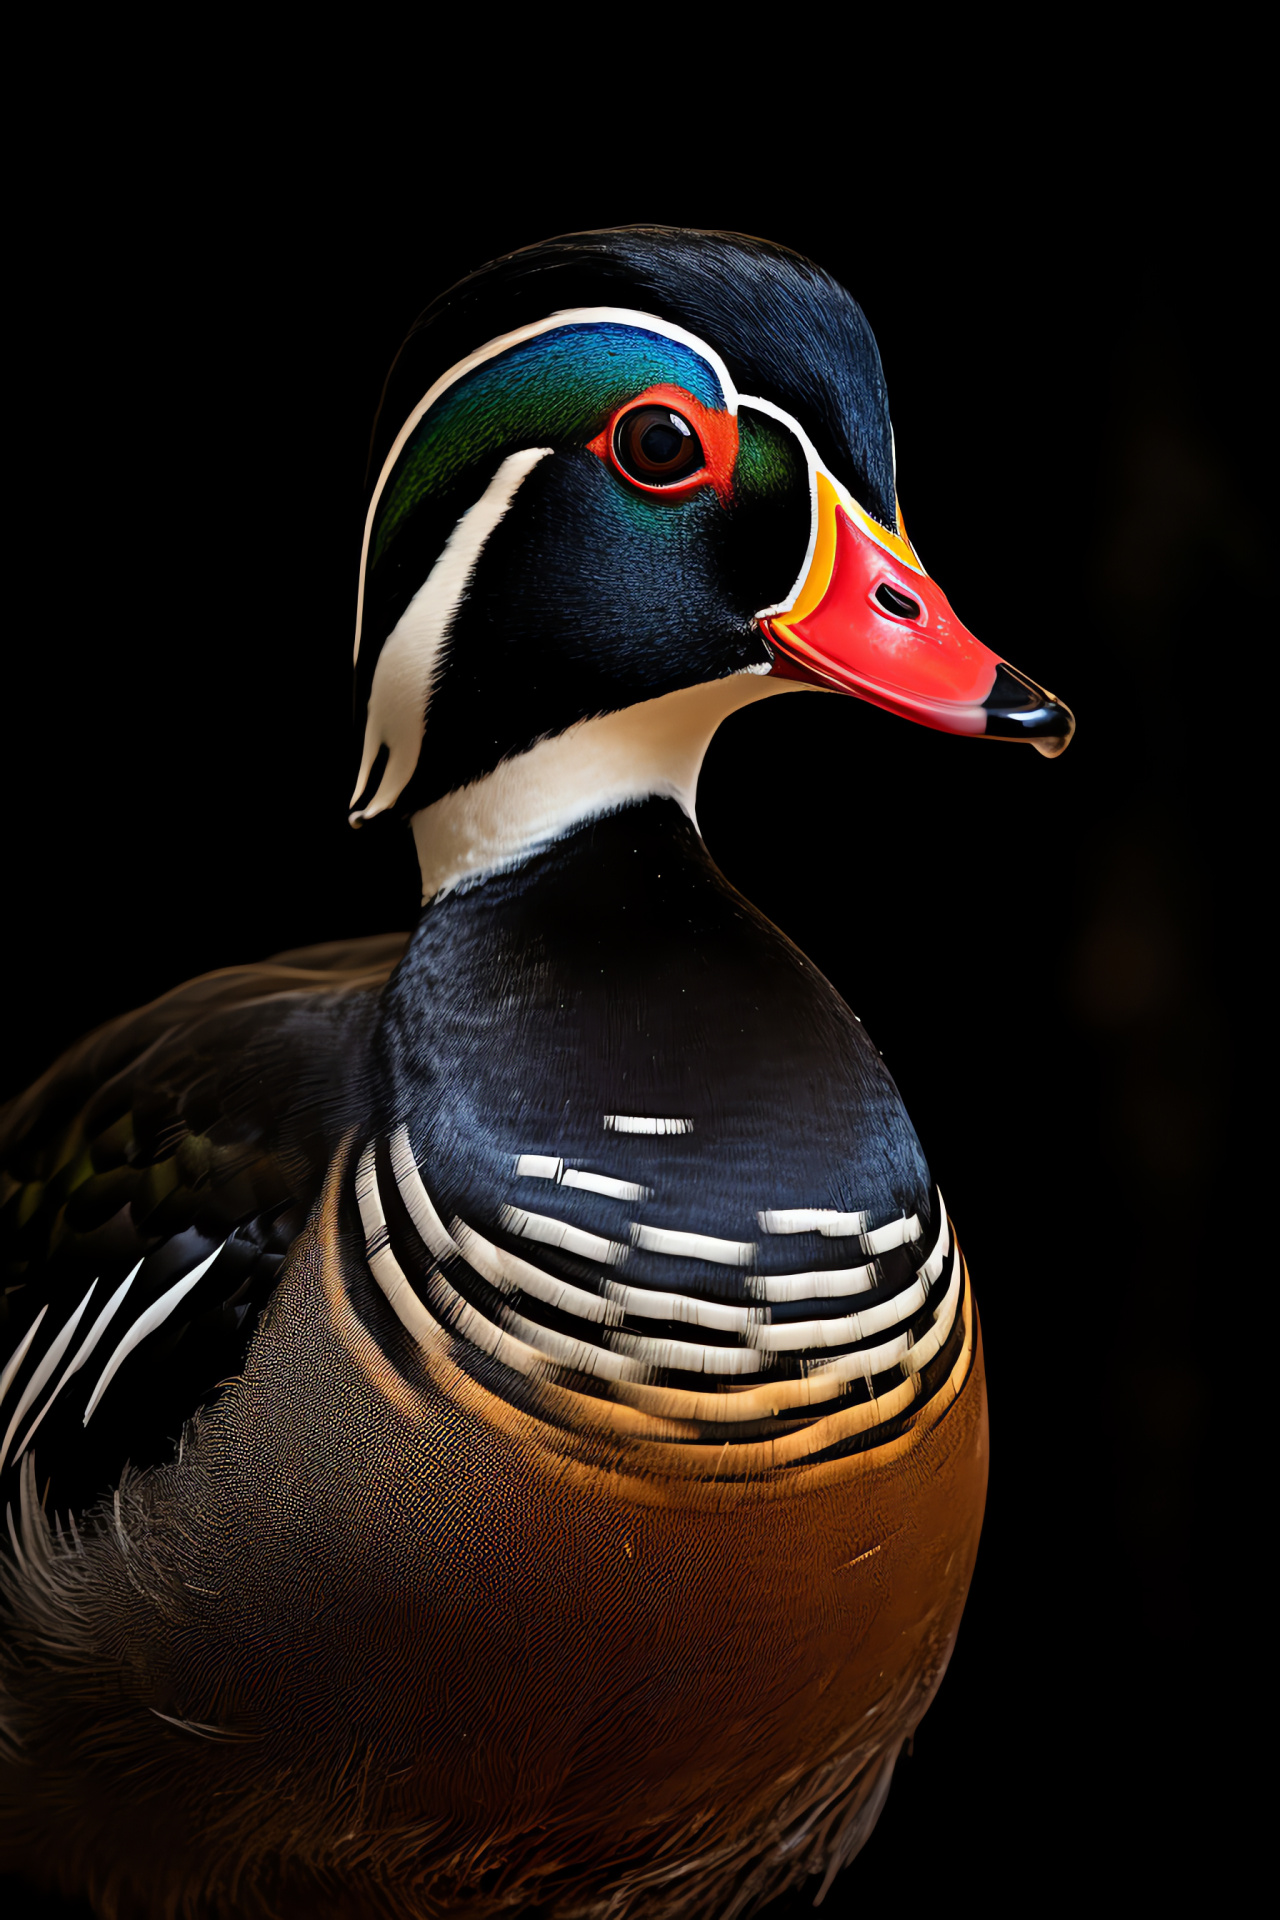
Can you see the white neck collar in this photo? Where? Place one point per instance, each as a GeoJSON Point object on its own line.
{"type": "Point", "coordinates": [655, 748]}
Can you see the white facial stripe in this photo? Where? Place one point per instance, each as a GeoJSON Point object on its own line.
{"type": "Point", "coordinates": [815, 466]}
{"type": "Point", "coordinates": [812, 464]}
{"type": "Point", "coordinates": [156, 1314]}
{"type": "Point", "coordinates": [43, 1373]}
{"type": "Point", "coordinates": [649, 323]}
{"type": "Point", "coordinates": [568, 317]}
{"type": "Point", "coordinates": [411, 659]}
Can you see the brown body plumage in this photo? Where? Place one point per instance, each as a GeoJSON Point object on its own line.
{"type": "Point", "coordinates": [414, 1645]}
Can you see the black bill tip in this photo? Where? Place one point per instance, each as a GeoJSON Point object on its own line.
{"type": "Point", "coordinates": [1017, 709]}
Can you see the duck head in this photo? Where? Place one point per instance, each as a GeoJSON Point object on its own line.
{"type": "Point", "coordinates": [623, 483]}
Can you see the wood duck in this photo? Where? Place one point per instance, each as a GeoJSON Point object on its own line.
{"type": "Point", "coordinates": [496, 1419]}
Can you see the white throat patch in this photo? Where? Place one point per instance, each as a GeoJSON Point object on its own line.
{"type": "Point", "coordinates": [653, 748]}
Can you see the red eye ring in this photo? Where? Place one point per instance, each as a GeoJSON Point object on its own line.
{"type": "Point", "coordinates": [715, 432]}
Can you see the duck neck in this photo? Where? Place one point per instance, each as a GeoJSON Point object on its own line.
{"type": "Point", "coordinates": [597, 766]}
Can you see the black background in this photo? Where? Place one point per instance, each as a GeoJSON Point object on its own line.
{"type": "Point", "coordinates": [1047, 953]}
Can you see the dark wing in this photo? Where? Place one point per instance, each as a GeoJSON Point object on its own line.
{"type": "Point", "coordinates": [150, 1186]}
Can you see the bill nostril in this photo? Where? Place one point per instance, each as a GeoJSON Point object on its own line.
{"type": "Point", "coordinates": [900, 604]}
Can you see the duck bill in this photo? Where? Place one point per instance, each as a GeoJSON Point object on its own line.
{"type": "Point", "coordinates": [869, 621]}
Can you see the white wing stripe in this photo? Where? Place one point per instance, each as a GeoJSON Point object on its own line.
{"type": "Point", "coordinates": [156, 1314]}
{"type": "Point", "coordinates": [16, 1360]}
{"type": "Point", "coordinates": [43, 1373]}
{"type": "Point", "coordinates": [93, 1336]}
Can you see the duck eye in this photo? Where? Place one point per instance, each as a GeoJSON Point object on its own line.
{"type": "Point", "coordinates": [656, 446]}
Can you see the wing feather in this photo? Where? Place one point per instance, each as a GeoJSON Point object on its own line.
{"type": "Point", "coordinates": [151, 1183]}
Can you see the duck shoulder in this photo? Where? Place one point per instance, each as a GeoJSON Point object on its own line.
{"type": "Point", "coordinates": [151, 1183]}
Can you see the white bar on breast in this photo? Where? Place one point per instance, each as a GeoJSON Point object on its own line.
{"type": "Point", "coordinates": [944, 1316]}
{"type": "Point", "coordinates": [693, 1246]}
{"type": "Point", "coordinates": [842, 1226]}
{"type": "Point", "coordinates": [683, 1309]}
{"type": "Point", "coordinates": [641, 1123]}
{"type": "Point", "coordinates": [688, 1357]}
{"type": "Point", "coordinates": [558, 1233]}
{"type": "Point", "coordinates": [539, 1166]}
{"type": "Point", "coordinates": [383, 1265]}
{"type": "Point", "coordinates": [601, 1183]}
{"type": "Point", "coordinates": [832, 1285]}
{"type": "Point", "coordinates": [898, 1233]}
{"type": "Point", "coordinates": [873, 1360]}
{"type": "Point", "coordinates": [421, 1208]}
{"type": "Point", "coordinates": [508, 1271]}
{"type": "Point", "coordinates": [810, 1220]}
{"type": "Point", "coordinates": [843, 1331]}
{"type": "Point", "coordinates": [938, 1258]}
